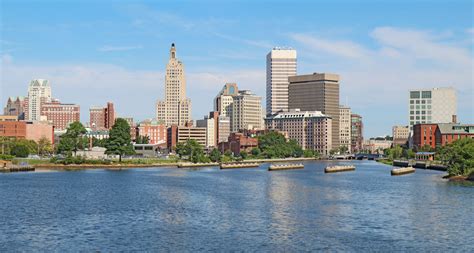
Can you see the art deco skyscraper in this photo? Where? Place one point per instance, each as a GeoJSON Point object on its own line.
{"type": "Point", "coordinates": [39, 92]}
{"type": "Point", "coordinates": [281, 63]}
{"type": "Point", "coordinates": [176, 108]}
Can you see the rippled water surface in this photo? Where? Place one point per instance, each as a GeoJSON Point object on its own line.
{"type": "Point", "coordinates": [166, 209]}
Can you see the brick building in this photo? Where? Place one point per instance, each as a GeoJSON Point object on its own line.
{"type": "Point", "coordinates": [101, 118]}
{"type": "Point", "coordinates": [60, 115]}
{"type": "Point", "coordinates": [238, 142]}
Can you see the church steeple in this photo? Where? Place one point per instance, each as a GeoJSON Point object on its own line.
{"type": "Point", "coordinates": [172, 51]}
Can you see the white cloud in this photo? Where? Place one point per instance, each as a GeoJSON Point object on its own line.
{"type": "Point", "coordinates": [118, 48]}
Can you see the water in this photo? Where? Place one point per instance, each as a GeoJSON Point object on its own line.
{"type": "Point", "coordinates": [207, 209]}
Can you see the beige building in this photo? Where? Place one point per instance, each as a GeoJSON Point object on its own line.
{"type": "Point", "coordinates": [376, 146]}
{"type": "Point", "coordinates": [317, 92]}
{"type": "Point", "coordinates": [400, 134]}
{"type": "Point", "coordinates": [246, 111]}
{"type": "Point", "coordinates": [176, 108]}
{"type": "Point", "coordinates": [224, 100]}
{"type": "Point", "coordinates": [345, 127]}
{"type": "Point", "coordinates": [210, 125]}
{"type": "Point", "coordinates": [223, 129]}
{"type": "Point", "coordinates": [39, 92]}
{"type": "Point", "coordinates": [177, 134]}
{"type": "Point", "coordinates": [281, 63]}
{"type": "Point", "coordinates": [311, 129]}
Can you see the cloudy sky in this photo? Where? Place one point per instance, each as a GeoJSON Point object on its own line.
{"type": "Point", "coordinates": [117, 50]}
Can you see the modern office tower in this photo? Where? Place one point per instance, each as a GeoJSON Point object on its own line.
{"type": "Point", "coordinates": [345, 127]}
{"type": "Point", "coordinates": [60, 115]}
{"type": "Point", "coordinates": [39, 92]}
{"type": "Point", "coordinates": [400, 135]}
{"type": "Point", "coordinates": [246, 111]}
{"type": "Point", "coordinates": [223, 101]}
{"type": "Point", "coordinates": [281, 63]}
{"type": "Point", "coordinates": [356, 133]}
{"type": "Point", "coordinates": [436, 105]}
{"type": "Point", "coordinates": [156, 131]}
{"type": "Point", "coordinates": [15, 107]}
{"type": "Point", "coordinates": [102, 118]}
{"type": "Point", "coordinates": [317, 92]}
{"type": "Point", "coordinates": [311, 129]}
{"type": "Point", "coordinates": [175, 109]}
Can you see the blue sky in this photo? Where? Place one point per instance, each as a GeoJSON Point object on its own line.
{"type": "Point", "coordinates": [117, 50]}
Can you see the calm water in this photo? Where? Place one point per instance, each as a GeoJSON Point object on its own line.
{"type": "Point", "coordinates": [235, 210]}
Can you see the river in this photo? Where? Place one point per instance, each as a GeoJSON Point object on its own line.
{"type": "Point", "coordinates": [169, 209]}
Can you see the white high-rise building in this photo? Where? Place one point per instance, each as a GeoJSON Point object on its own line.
{"type": "Point", "coordinates": [176, 108]}
{"type": "Point", "coordinates": [39, 92]}
{"type": "Point", "coordinates": [225, 98]}
{"type": "Point", "coordinates": [345, 127]}
{"type": "Point", "coordinates": [436, 105]}
{"type": "Point", "coordinates": [281, 63]}
{"type": "Point", "coordinates": [246, 112]}
{"type": "Point", "coordinates": [210, 126]}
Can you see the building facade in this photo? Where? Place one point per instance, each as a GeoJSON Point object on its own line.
{"type": "Point", "coordinates": [15, 107]}
{"type": "Point", "coordinates": [223, 129]}
{"type": "Point", "coordinates": [345, 127]}
{"type": "Point", "coordinates": [238, 142]}
{"type": "Point", "coordinates": [376, 146]}
{"type": "Point", "coordinates": [317, 92]}
{"type": "Point", "coordinates": [357, 137]}
{"type": "Point", "coordinates": [246, 111]}
{"type": "Point", "coordinates": [101, 118]}
{"type": "Point", "coordinates": [424, 135]}
{"type": "Point", "coordinates": [39, 92]}
{"type": "Point", "coordinates": [400, 135]}
{"type": "Point", "coordinates": [225, 98]}
{"type": "Point", "coordinates": [177, 134]}
{"type": "Point", "coordinates": [436, 105]}
{"type": "Point", "coordinates": [156, 131]}
{"type": "Point", "coordinates": [175, 109]}
{"type": "Point", "coordinates": [281, 63]}
{"type": "Point", "coordinates": [60, 115]}
{"type": "Point", "coordinates": [211, 130]}
{"type": "Point", "coordinates": [311, 129]}
{"type": "Point", "coordinates": [449, 132]}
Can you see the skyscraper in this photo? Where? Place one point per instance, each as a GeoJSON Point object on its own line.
{"type": "Point", "coordinates": [176, 108]}
{"type": "Point", "coordinates": [436, 105]}
{"type": "Point", "coordinates": [39, 92]}
{"type": "Point", "coordinates": [317, 92]}
{"type": "Point", "coordinates": [281, 63]}
{"type": "Point", "coordinates": [345, 127]}
{"type": "Point", "coordinates": [246, 111]}
{"type": "Point", "coordinates": [356, 133]}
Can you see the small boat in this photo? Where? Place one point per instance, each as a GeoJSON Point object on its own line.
{"type": "Point", "coordinates": [339, 168]}
{"type": "Point", "coordinates": [402, 171]}
{"type": "Point", "coordinates": [274, 167]}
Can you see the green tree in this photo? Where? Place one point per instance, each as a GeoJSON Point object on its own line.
{"type": "Point", "coordinates": [73, 139]}
{"type": "Point", "coordinates": [308, 153]}
{"type": "Point", "coordinates": [458, 156]}
{"type": "Point", "coordinates": [142, 139]}
{"type": "Point", "coordinates": [244, 154]}
{"type": "Point", "coordinates": [343, 149]}
{"type": "Point", "coordinates": [256, 152]}
{"type": "Point", "coordinates": [20, 150]}
{"type": "Point", "coordinates": [119, 142]}
{"type": "Point", "coordinates": [215, 155]}
{"type": "Point", "coordinates": [274, 145]}
{"type": "Point", "coordinates": [44, 147]}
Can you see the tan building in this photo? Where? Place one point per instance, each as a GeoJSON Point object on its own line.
{"type": "Point", "coordinates": [376, 146]}
{"type": "Point", "coordinates": [60, 115]}
{"type": "Point", "coordinates": [311, 129]}
{"type": "Point", "coordinates": [400, 135]}
{"type": "Point", "coordinates": [156, 131]}
{"type": "Point", "coordinates": [223, 130]}
{"type": "Point", "coordinates": [39, 92]}
{"type": "Point", "coordinates": [30, 130]}
{"type": "Point", "coordinates": [211, 130]}
{"type": "Point", "coordinates": [345, 127]}
{"type": "Point", "coordinates": [246, 112]}
{"type": "Point", "coordinates": [224, 100]}
{"type": "Point", "coordinates": [175, 109]}
{"type": "Point", "coordinates": [281, 63]}
{"type": "Point", "coordinates": [178, 134]}
{"type": "Point", "coordinates": [15, 107]}
{"type": "Point", "coordinates": [317, 92]}
{"type": "Point", "coordinates": [38, 130]}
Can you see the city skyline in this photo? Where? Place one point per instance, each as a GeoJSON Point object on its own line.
{"type": "Point", "coordinates": [442, 56]}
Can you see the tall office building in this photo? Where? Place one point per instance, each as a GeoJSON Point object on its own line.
{"type": "Point", "coordinates": [224, 100]}
{"type": "Point", "coordinates": [246, 111]}
{"type": "Point", "coordinates": [39, 92]}
{"type": "Point", "coordinates": [345, 127]}
{"type": "Point", "coordinates": [436, 105]}
{"type": "Point", "coordinates": [176, 108]}
{"type": "Point", "coordinates": [356, 133]}
{"type": "Point", "coordinates": [281, 63]}
{"type": "Point", "coordinates": [317, 92]}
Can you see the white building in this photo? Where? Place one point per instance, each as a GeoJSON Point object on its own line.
{"type": "Point", "coordinates": [224, 100]}
{"type": "Point", "coordinates": [246, 111]}
{"type": "Point", "coordinates": [281, 63]}
{"type": "Point", "coordinates": [436, 105]}
{"type": "Point", "coordinates": [176, 108]}
{"type": "Point", "coordinates": [39, 92]}
{"type": "Point", "coordinates": [345, 127]}
{"type": "Point", "coordinates": [210, 126]}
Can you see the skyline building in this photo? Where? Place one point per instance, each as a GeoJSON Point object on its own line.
{"type": "Point", "coordinates": [60, 115]}
{"type": "Point", "coordinates": [345, 127]}
{"type": "Point", "coordinates": [101, 118]}
{"type": "Point", "coordinates": [175, 109]}
{"type": "Point", "coordinates": [39, 92]}
{"type": "Point", "coordinates": [317, 92]}
{"type": "Point", "coordinates": [435, 105]}
{"type": "Point", "coordinates": [357, 136]}
{"type": "Point", "coordinates": [400, 135]}
{"type": "Point", "coordinates": [15, 106]}
{"type": "Point", "coordinates": [281, 64]}
{"type": "Point", "coordinates": [246, 111]}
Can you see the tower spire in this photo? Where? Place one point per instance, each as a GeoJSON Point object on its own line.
{"type": "Point", "coordinates": [173, 51]}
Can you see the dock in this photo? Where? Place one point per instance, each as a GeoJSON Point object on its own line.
{"type": "Point", "coordinates": [275, 167]}
{"type": "Point", "coordinates": [402, 171]}
{"type": "Point", "coordinates": [340, 168]}
{"type": "Point", "coordinates": [16, 168]}
{"type": "Point", "coordinates": [195, 165]}
{"type": "Point", "coordinates": [239, 165]}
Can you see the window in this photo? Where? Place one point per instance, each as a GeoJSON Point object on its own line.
{"type": "Point", "coordinates": [426, 94]}
{"type": "Point", "coordinates": [417, 101]}
{"type": "Point", "coordinates": [412, 101]}
{"type": "Point", "coordinates": [414, 94]}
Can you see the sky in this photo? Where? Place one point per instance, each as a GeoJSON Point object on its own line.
{"type": "Point", "coordinates": [98, 51]}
